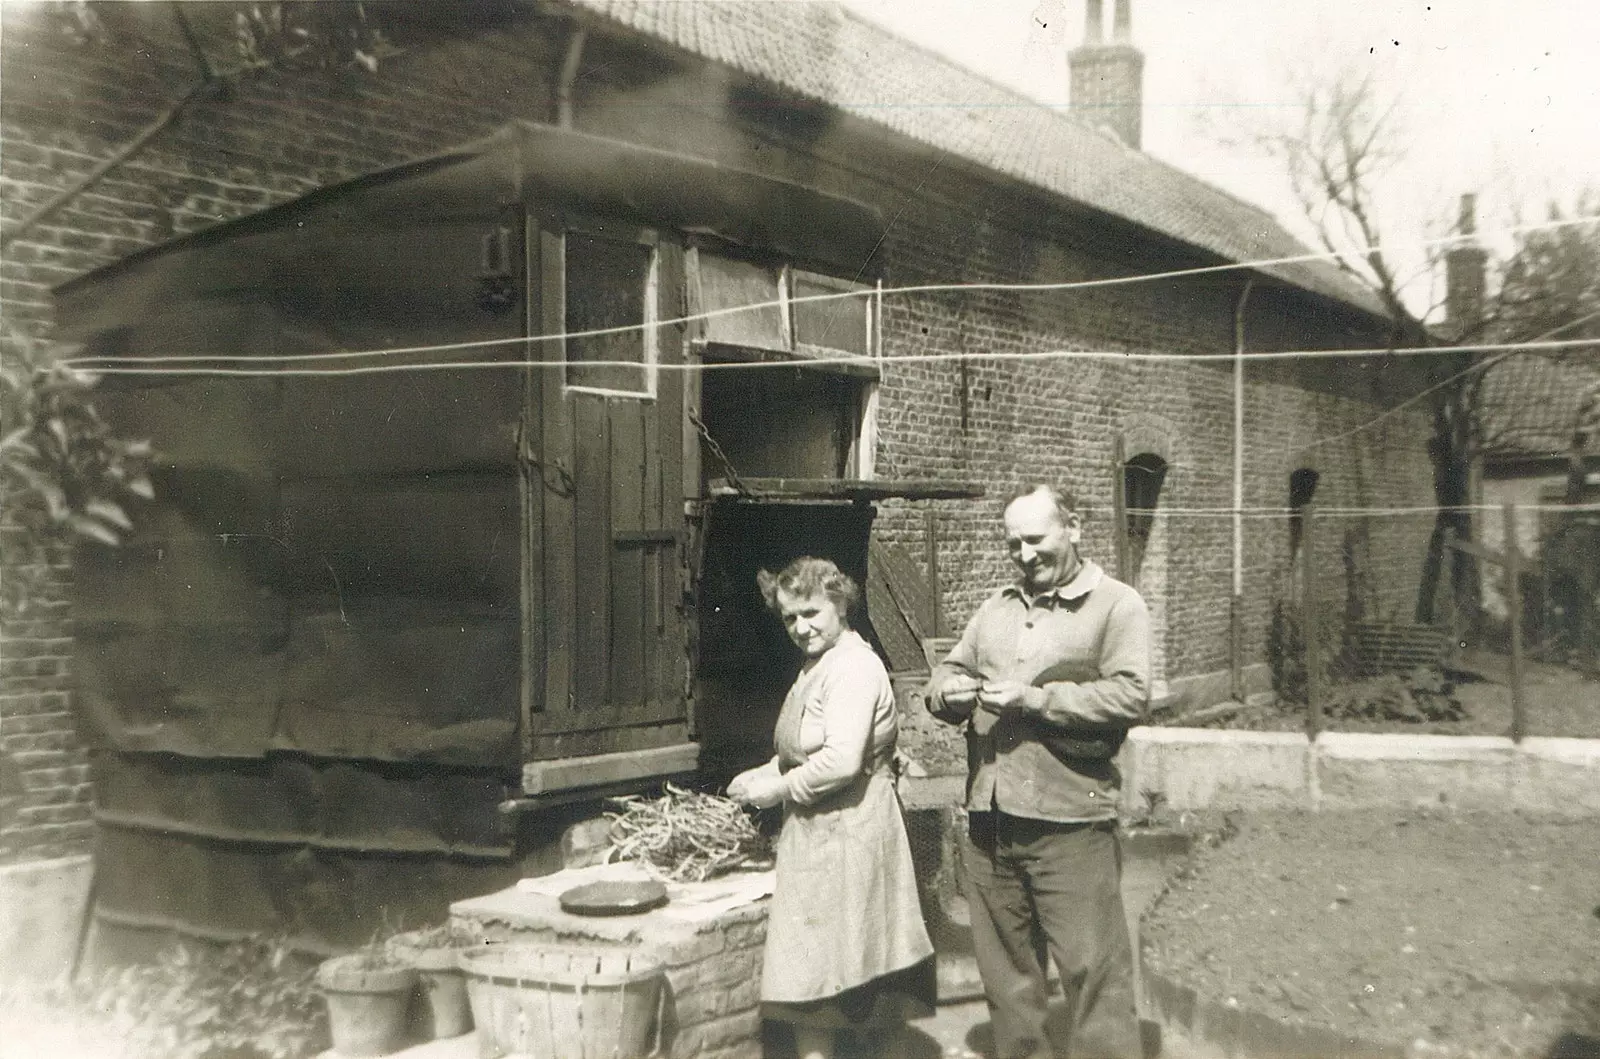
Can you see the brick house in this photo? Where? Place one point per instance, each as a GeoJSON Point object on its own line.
{"type": "Point", "coordinates": [896, 169]}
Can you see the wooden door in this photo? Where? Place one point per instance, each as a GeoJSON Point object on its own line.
{"type": "Point", "coordinates": [606, 487]}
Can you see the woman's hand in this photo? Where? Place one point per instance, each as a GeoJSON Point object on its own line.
{"type": "Point", "coordinates": [762, 786]}
{"type": "Point", "coordinates": [739, 787]}
{"type": "Point", "coordinates": [763, 791]}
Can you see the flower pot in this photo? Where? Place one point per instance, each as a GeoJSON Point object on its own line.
{"type": "Point", "coordinates": [439, 1007]}
{"type": "Point", "coordinates": [367, 1003]}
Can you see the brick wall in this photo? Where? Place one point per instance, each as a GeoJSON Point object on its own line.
{"type": "Point", "coordinates": [64, 106]}
{"type": "Point", "coordinates": [1058, 421]}
{"type": "Point", "coordinates": [1001, 423]}
{"type": "Point", "coordinates": [45, 793]}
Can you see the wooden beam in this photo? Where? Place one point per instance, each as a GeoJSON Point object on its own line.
{"type": "Point", "coordinates": [844, 489]}
{"type": "Point", "coordinates": [1480, 551]}
{"type": "Point", "coordinates": [878, 554]}
{"type": "Point", "coordinates": [1310, 632]}
{"type": "Point", "coordinates": [561, 774]}
{"type": "Point", "coordinates": [1519, 722]}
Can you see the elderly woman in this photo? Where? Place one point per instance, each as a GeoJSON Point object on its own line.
{"type": "Point", "coordinates": [846, 946]}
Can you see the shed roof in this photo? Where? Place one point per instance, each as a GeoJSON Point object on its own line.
{"type": "Point", "coordinates": [828, 54]}
{"type": "Point", "coordinates": [1530, 405]}
{"type": "Point", "coordinates": [522, 161]}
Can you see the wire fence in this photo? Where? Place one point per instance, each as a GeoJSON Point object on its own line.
{"type": "Point", "coordinates": [1503, 637]}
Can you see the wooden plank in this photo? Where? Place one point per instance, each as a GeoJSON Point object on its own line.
{"type": "Point", "coordinates": [680, 475]}
{"type": "Point", "coordinates": [530, 461]}
{"type": "Point", "coordinates": [930, 544]}
{"type": "Point", "coordinates": [1472, 548]}
{"type": "Point", "coordinates": [664, 415]}
{"type": "Point", "coordinates": [1119, 506]}
{"type": "Point", "coordinates": [629, 620]}
{"type": "Point", "coordinates": [594, 716]}
{"type": "Point", "coordinates": [591, 550]}
{"type": "Point", "coordinates": [1519, 720]}
{"type": "Point", "coordinates": [811, 358]}
{"type": "Point", "coordinates": [540, 777]}
{"type": "Point", "coordinates": [689, 381]}
{"type": "Point", "coordinates": [560, 576]}
{"type": "Point", "coordinates": [647, 538]}
{"type": "Point", "coordinates": [846, 489]}
{"type": "Point", "coordinates": [610, 741]}
{"type": "Point", "coordinates": [894, 632]}
{"type": "Point", "coordinates": [904, 588]}
{"type": "Point", "coordinates": [1310, 632]}
{"type": "Point", "coordinates": [1480, 551]}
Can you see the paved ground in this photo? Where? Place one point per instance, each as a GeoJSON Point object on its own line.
{"type": "Point", "coordinates": [955, 1031]}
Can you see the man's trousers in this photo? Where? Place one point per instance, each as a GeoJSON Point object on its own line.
{"type": "Point", "coordinates": [1038, 888]}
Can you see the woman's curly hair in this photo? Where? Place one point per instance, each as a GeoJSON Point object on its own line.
{"type": "Point", "coordinates": [808, 576]}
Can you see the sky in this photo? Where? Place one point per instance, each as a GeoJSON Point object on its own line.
{"type": "Point", "coordinates": [1496, 97]}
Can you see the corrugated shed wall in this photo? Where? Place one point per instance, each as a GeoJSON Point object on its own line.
{"type": "Point", "coordinates": [304, 671]}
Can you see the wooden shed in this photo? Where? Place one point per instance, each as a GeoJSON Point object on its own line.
{"type": "Point", "coordinates": [458, 517]}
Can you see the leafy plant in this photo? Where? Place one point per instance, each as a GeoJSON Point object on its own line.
{"type": "Point", "coordinates": [375, 955]}
{"type": "Point", "coordinates": [441, 935]}
{"type": "Point", "coordinates": [253, 999]}
{"type": "Point", "coordinates": [64, 475]}
{"type": "Point", "coordinates": [1286, 654]}
{"type": "Point", "coordinates": [319, 35]}
{"type": "Point", "coordinates": [1420, 696]}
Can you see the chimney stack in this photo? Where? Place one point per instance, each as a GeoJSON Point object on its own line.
{"type": "Point", "coordinates": [1122, 28]}
{"type": "Point", "coordinates": [1108, 76]}
{"type": "Point", "coordinates": [1465, 267]}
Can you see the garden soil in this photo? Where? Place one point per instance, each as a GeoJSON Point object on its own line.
{"type": "Point", "coordinates": [1445, 933]}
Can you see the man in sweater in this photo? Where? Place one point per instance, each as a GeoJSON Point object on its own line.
{"type": "Point", "coordinates": [1047, 678]}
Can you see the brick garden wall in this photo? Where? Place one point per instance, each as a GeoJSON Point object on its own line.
{"type": "Point", "coordinates": [45, 791]}
{"type": "Point", "coordinates": [65, 105]}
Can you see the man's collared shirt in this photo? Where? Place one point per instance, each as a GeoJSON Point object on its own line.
{"type": "Point", "coordinates": [1086, 646]}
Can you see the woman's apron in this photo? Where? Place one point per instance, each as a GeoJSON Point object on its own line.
{"type": "Point", "coordinates": [845, 907]}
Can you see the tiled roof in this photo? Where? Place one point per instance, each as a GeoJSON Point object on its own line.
{"type": "Point", "coordinates": [1529, 404]}
{"type": "Point", "coordinates": [829, 54]}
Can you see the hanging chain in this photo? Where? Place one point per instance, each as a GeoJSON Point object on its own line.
{"type": "Point", "coordinates": [720, 456]}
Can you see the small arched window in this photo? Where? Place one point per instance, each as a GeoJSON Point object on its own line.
{"type": "Point", "coordinates": [1302, 489]}
{"type": "Point", "coordinates": [1142, 478]}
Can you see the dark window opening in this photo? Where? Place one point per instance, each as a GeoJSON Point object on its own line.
{"type": "Point", "coordinates": [1142, 478]}
{"type": "Point", "coordinates": [810, 421]}
{"type": "Point", "coordinates": [1302, 488]}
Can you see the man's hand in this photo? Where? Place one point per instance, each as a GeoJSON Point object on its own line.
{"type": "Point", "coordinates": [999, 696]}
{"type": "Point", "coordinates": [961, 691]}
